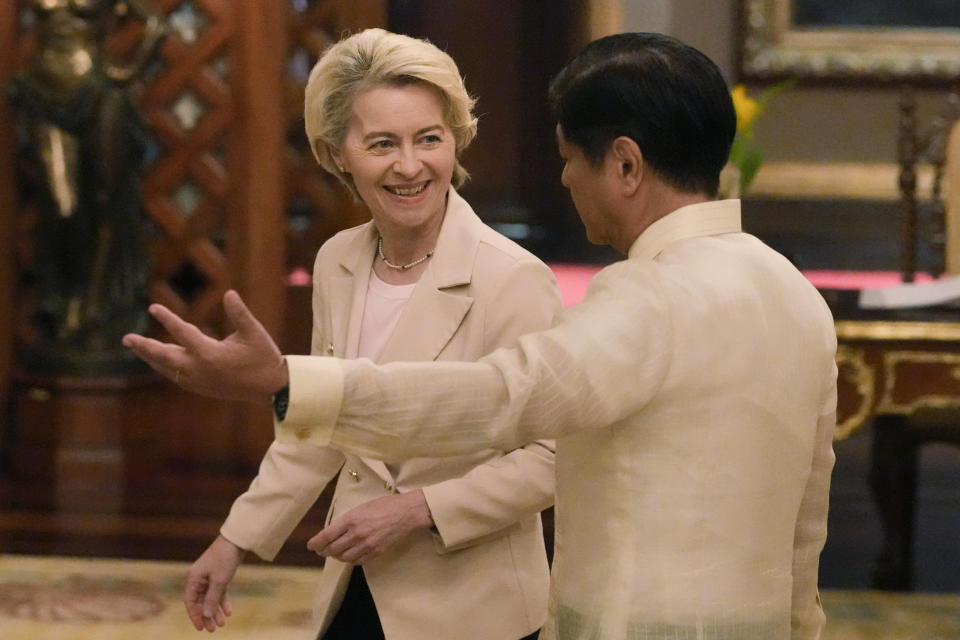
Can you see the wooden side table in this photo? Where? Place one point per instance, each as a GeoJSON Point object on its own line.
{"type": "Point", "coordinates": [900, 371]}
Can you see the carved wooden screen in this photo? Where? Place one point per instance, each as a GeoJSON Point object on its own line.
{"type": "Point", "coordinates": [232, 197]}
{"type": "Point", "coordinates": [190, 109]}
{"type": "Point", "coordinates": [189, 106]}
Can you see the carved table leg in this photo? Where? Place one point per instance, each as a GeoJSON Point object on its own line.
{"type": "Point", "coordinates": [893, 475]}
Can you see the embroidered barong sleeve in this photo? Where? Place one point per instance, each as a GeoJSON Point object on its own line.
{"type": "Point", "coordinates": [554, 383]}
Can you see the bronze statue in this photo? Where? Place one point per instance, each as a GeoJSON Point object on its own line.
{"type": "Point", "coordinates": [86, 141]}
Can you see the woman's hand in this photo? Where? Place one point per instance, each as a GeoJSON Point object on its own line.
{"type": "Point", "coordinates": [372, 528]}
{"type": "Point", "coordinates": [205, 594]}
{"type": "Point", "coordinates": [246, 365]}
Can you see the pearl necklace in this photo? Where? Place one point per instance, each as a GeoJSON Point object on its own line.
{"type": "Point", "coordinates": [400, 267]}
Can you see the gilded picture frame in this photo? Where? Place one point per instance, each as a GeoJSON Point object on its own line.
{"type": "Point", "coordinates": [916, 41]}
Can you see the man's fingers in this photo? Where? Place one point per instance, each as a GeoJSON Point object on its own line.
{"type": "Point", "coordinates": [179, 329]}
{"type": "Point", "coordinates": [162, 357]}
{"type": "Point", "coordinates": [238, 314]}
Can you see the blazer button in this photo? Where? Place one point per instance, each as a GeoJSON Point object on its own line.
{"type": "Point", "coordinates": [330, 348]}
{"type": "Point", "coordinates": [388, 487]}
{"type": "Point", "coordinates": [303, 433]}
{"type": "Point", "coordinates": [353, 474]}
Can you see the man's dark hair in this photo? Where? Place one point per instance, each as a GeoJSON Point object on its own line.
{"type": "Point", "coordinates": [665, 95]}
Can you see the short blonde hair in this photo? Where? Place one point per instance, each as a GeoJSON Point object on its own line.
{"type": "Point", "coordinates": [372, 58]}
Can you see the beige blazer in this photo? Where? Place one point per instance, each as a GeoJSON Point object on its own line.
{"type": "Point", "coordinates": [483, 574]}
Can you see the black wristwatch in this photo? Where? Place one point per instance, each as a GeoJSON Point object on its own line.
{"type": "Point", "coordinates": [281, 400]}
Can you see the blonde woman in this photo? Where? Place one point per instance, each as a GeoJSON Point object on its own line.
{"type": "Point", "coordinates": [440, 548]}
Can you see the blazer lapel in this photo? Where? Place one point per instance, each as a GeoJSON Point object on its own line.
{"type": "Point", "coordinates": [347, 294]}
{"type": "Point", "coordinates": [429, 320]}
{"type": "Point", "coordinates": [340, 299]}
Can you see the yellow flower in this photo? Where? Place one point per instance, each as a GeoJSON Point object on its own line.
{"type": "Point", "coordinates": [747, 108]}
{"type": "Point", "coordinates": [745, 159]}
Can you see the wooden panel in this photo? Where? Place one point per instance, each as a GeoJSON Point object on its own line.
{"type": "Point", "coordinates": [257, 250]}
{"type": "Point", "coordinates": [915, 380]}
{"type": "Point", "coordinates": [80, 440]}
{"type": "Point", "coordinates": [256, 226]}
{"type": "Point", "coordinates": [8, 208]}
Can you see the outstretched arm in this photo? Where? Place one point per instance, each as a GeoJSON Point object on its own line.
{"type": "Point", "coordinates": [553, 384]}
{"type": "Point", "coordinates": [246, 365]}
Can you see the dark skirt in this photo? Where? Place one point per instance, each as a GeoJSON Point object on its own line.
{"type": "Point", "coordinates": [357, 618]}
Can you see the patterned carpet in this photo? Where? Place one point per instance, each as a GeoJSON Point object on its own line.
{"type": "Point", "coordinates": [80, 599]}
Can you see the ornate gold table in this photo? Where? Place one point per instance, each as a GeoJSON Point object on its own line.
{"type": "Point", "coordinates": [900, 371]}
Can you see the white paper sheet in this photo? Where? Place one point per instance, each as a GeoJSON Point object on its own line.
{"type": "Point", "coordinates": [945, 291]}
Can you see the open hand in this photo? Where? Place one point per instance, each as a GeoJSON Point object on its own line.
{"type": "Point", "coordinates": [372, 528]}
{"type": "Point", "coordinates": [246, 365]}
{"type": "Point", "coordinates": [205, 594]}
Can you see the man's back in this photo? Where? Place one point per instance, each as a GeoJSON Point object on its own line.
{"type": "Point", "coordinates": [688, 521]}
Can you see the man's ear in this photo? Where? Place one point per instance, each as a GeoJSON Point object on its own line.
{"type": "Point", "coordinates": [629, 162]}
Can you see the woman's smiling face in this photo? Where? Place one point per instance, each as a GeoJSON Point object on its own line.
{"type": "Point", "coordinates": [400, 153]}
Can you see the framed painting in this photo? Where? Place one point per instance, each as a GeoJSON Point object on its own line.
{"type": "Point", "coordinates": [851, 41]}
